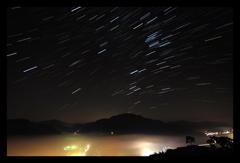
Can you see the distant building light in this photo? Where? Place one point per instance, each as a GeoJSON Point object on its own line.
{"type": "Point", "coordinates": [112, 133]}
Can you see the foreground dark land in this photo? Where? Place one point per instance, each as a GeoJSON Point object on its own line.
{"type": "Point", "coordinates": [219, 146]}
{"type": "Point", "coordinates": [194, 150]}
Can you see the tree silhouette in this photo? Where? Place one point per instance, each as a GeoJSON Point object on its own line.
{"type": "Point", "coordinates": [224, 142]}
{"type": "Point", "coordinates": [190, 139]}
{"type": "Point", "coordinates": [212, 141]}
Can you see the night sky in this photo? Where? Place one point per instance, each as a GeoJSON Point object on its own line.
{"type": "Point", "coordinates": [79, 64]}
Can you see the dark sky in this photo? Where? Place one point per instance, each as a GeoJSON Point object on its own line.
{"type": "Point", "coordinates": [79, 64]}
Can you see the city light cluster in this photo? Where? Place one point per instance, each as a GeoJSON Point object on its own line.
{"type": "Point", "coordinates": [76, 150]}
{"type": "Point", "coordinates": [218, 133]}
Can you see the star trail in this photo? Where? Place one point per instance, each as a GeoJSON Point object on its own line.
{"type": "Point", "coordinates": [79, 64]}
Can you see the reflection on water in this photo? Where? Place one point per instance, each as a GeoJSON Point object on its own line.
{"type": "Point", "coordinates": [83, 145]}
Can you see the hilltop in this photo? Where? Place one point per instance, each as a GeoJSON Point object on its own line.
{"type": "Point", "coordinates": [25, 127]}
{"type": "Point", "coordinates": [126, 123]}
{"type": "Point", "coordinates": [129, 123]}
{"type": "Point", "coordinates": [194, 150]}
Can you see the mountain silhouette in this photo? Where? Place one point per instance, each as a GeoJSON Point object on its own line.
{"type": "Point", "coordinates": [129, 123]}
{"type": "Point", "coordinates": [122, 124]}
{"type": "Point", "coordinates": [126, 123]}
{"type": "Point", "coordinates": [59, 125]}
{"type": "Point", "coordinates": [203, 126]}
{"type": "Point", "coordinates": [25, 127]}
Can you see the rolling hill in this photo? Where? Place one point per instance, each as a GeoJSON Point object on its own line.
{"type": "Point", "coordinates": [126, 123]}
{"type": "Point", "coordinates": [25, 127]}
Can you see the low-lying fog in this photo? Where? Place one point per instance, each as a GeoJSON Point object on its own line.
{"type": "Point", "coordinates": [112, 145]}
